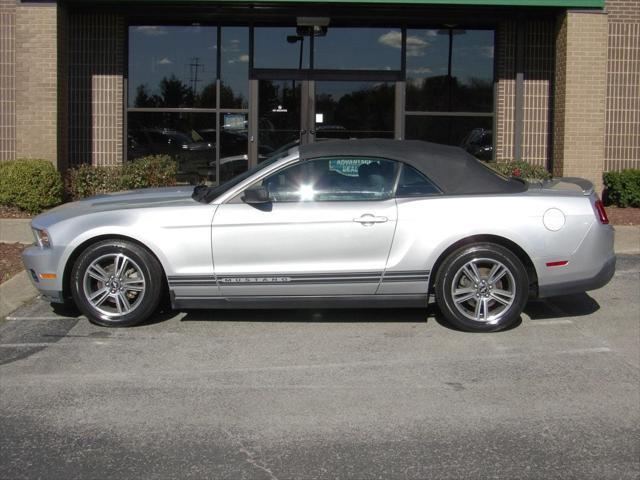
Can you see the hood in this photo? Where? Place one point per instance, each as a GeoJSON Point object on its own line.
{"type": "Point", "coordinates": [132, 199]}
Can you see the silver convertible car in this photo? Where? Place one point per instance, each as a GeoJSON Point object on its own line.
{"type": "Point", "coordinates": [366, 223]}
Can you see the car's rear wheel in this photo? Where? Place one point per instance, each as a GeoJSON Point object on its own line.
{"type": "Point", "coordinates": [482, 287]}
{"type": "Point", "coordinates": [116, 283]}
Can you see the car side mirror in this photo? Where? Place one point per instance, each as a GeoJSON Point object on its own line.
{"type": "Point", "coordinates": [256, 195]}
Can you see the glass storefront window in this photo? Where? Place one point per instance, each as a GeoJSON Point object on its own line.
{"type": "Point", "coordinates": [427, 70]}
{"type": "Point", "coordinates": [280, 47]}
{"type": "Point", "coordinates": [234, 68]}
{"type": "Point", "coordinates": [172, 67]}
{"type": "Point", "coordinates": [188, 138]}
{"type": "Point", "coordinates": [472, 71]}
{"type": "Point", "coordinates": [358, 49]}
{"type": "Point", "coordinates": [450, 71]}
{"type": "Point", "coordinates": [465, 86]}
{"type": "Point", "coordinates": [474, 134]}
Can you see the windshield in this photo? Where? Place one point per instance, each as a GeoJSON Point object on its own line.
{"type": "Point", "coordinates": [209, 194]}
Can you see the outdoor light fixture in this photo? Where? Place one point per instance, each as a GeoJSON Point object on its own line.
{"type": "Point", "coordinates": [312, 26]}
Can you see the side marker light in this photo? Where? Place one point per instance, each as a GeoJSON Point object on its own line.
{"type": "Point", "coordinates": [559, 263]}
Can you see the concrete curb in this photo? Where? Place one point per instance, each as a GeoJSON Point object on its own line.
{"type": "Point", "coordinates": [15, 230]}
{"type": "Point", "coordinates": [627, 239]}
{"type": "Point", "coordinates": [15, 292]}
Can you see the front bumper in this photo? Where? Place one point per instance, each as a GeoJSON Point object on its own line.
{"type": "Point", "coordinates": [44, 261]}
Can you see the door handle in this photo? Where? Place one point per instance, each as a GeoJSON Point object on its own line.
{"type": "Point", "coordinates": [368, 219]}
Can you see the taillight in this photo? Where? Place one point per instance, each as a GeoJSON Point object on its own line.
{"type": "Point", "coordinates": [602, 213]}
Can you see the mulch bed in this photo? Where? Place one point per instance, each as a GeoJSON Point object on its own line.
{"type": "Point", "coordinates": [623, 216]}
{"type": "Point", "coordinates": [13, 212]}
{"type": "Point", "coordinates": [10, 261]}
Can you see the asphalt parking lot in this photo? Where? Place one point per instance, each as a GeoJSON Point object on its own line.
{"type": "Point", "coordinates": [357, 394]}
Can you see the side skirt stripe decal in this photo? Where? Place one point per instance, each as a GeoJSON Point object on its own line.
{"type": "Point", "coordinates": [299, 278]}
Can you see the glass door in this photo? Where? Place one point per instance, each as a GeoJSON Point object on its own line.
{"type": "Point", "coordinates": [353, 109]}
{"type": "Point", "coordinates": [279, 115]}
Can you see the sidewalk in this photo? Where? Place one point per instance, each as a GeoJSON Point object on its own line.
{"type": "Point", "coordinates": [19, 290]}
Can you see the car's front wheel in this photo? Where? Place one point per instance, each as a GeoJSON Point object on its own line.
{"type": "Point", "coordinates": [116, 283]}
{"type": "Point", "coordinates": [482, 287]}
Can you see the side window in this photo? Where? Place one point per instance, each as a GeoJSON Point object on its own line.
{"type": "Point", "coordinates": [413, 184]}
{"type": "Point", "coordinates": [333, 179]}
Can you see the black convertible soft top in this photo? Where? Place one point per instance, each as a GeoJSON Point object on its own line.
{"type": "Point", "coordinates": [454, 170]}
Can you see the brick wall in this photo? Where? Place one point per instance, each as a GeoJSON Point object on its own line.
{"type": "Point", "coordinates": [581, 56]}
{"type": "Point", "coordinates": [36, 76]}
{"type": "Point", "coordinates": [538, 74]}
{"type": "Point", "coordinates": [622, 134]}
{"type": "Point", "coordinates": [96, 67]}
{"type": "Point", "coordinates": [7, 80]}
{"type": "Point", "coordinates": [623, 10]}
{"type": "Point", "coordinates": [538, 89]}
{"type": "Point", "coordinates": [505, 90]}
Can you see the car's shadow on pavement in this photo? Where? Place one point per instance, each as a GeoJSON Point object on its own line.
{"type": "Point", "coordinates": [312, 315]}
{"type": "Point", "coordinates": [575, 305]}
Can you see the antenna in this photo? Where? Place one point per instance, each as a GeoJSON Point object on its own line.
{"type": "Point", "coordinates": [195, 66]}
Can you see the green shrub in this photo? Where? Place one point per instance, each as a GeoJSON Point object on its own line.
{"type": "Point", "coordinates": [152, 171]}
{"type": "Point", "coordinates": [622, 188]}
{"type": "Point", "coordinates": [521, 169]}
{"type": "Point", "coordinates": [30, 184]}
{"type": "Point", "coordinates": [86, 180]}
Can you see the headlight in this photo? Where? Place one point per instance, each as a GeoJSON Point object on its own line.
{"type": "Point", "coordinates": [42, 237]}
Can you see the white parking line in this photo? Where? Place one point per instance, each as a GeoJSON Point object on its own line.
{"type": "Point", "coordinates": [40, 318]}
{"type": "Point", "coordinates": [585, 350]}
{"type": "Point", "coordinates": [560, 321]}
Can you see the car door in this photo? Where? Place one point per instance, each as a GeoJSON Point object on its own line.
{"type": "Point", "coordinates": [326, 230]}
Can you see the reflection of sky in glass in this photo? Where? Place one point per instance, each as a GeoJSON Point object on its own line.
{"type": "Point", "coordinates": [358, 49]}
{"type": "Point", "coordinates": [156, 52]}
{"type": "Point", "coordinates": [472, 55]}
{"type": "Point", "coordinates": [272, 50]}
{"type": "Point", "coordinates": [427, 54]}
{"type": "Point", "coordinates": [235, 61]}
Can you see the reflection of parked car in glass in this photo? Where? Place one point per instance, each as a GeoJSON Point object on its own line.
{"type": "Point", "coordinates": [193, 157]}
{"type": "Point", "coordinates": [479, 143]}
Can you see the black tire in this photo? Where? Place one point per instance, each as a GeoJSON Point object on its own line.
{"type": "Point", "coordinates": [121, 300]}
{"type": "Point", "coordinates": [482, 304]}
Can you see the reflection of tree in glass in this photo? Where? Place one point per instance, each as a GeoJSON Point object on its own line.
{"type": "Point", "coordinates": [175, 93]}
{"type": "Point", "coordinates": [444, 93]}
{"type": "Point", "coordinates": [366, 110]}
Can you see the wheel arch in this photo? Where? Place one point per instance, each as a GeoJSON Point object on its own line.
{"type": "Point", "coordinates": [503, 242]}
{"type": "Point", "coordinates": [77, 251]}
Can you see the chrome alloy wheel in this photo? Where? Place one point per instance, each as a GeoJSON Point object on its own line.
{"type": "Point", "coordinates": [483, 290]}
{"type": "Point", "coordinates": [114, 284]}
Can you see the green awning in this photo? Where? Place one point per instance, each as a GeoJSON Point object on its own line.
{"type": "Point", "coordinates": [509, 3]}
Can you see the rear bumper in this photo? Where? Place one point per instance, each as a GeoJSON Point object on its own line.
{"type": "Point", "coordinates": [599, 280]}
